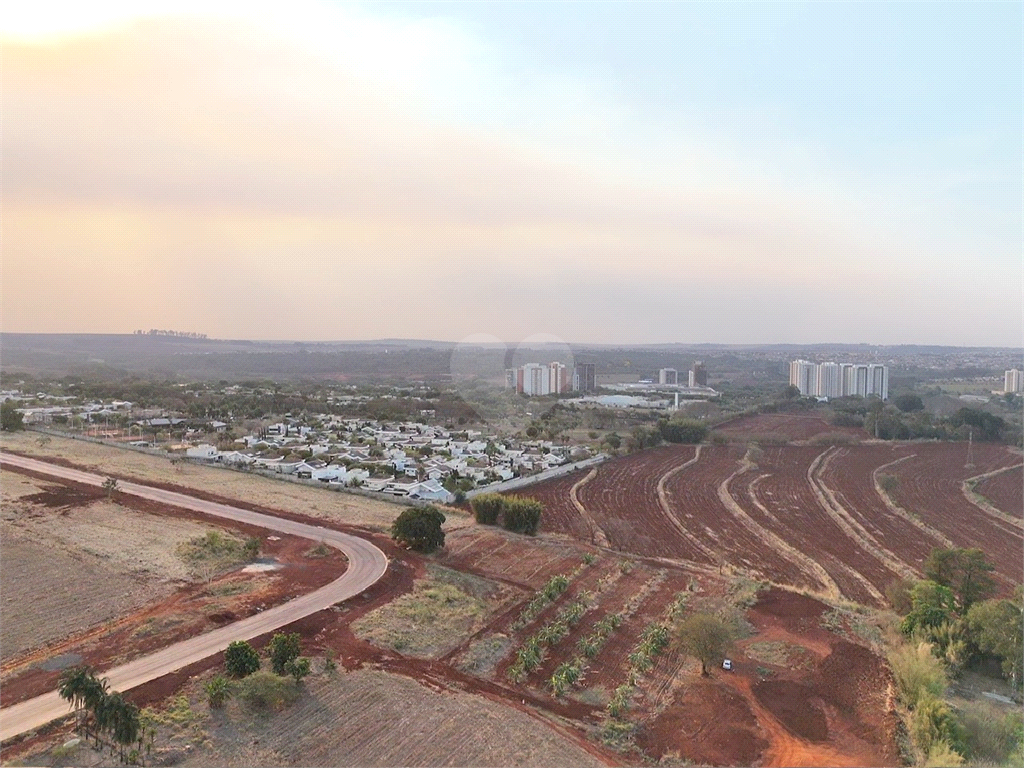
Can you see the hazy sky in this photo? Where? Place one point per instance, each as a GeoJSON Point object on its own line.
{"type": "Point", "coordinates": [659, 172]}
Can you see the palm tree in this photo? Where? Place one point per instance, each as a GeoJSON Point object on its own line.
{"type": "Point", "coordinates": [121, 719]}
{"type": "Point", "coordinates": [95, 696]}
{"type": "Point", "coordinates": [73, 684]}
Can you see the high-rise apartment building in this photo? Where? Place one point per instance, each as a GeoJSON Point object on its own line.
{"type": "Point", "coordinates": [839, 380]}
{"type": "Point", "coordinates": [878, 381]}
{"type": "Point", "coordinates": [698, 374]}
{"type": "Point", "coordinates": [830, 380]}
{"type": "Point", "coordinates": [535, 379]}
{"type": "Point", "coordinates": [668, 376]}
{"type": "Point", "coordinates": [1013, 381]}
{"type": "Point", "coordinates": [803, 374]}
{"type": "Point", "coordinates": [584, 378]}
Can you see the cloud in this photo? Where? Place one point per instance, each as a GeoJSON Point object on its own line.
{"type": "Point", "coordinates": [211, 174]}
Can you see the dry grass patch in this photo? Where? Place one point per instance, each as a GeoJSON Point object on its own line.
{"type": "Point", "coordinates": [437, 615]}
{"type": "Point", "coordinates": [215, 552]}
{"type": "Point", "coordinates": [482, 656]}
{"type": "Point", "coordinates": [254, 489]}
{"type": "Point", "coordinates": [781, 654]}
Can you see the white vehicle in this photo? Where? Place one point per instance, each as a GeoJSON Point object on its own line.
{"type": "Point", "coordinates": [727, 665]}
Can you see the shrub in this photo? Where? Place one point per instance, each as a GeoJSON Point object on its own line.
{"type": "Point", "coordinates": [522, 515]}
{"type": "Point", "coordinates": [241, 659]}
{"type": "Point", "coordinates": [218, 691]}
{"type": "Point", "coordinates": [283, 649]}
{"type": "Point", "coordinates": [298, 668]}
{"type": "Point", "coordinates": [487, 507]}
{"type": "Point", "coordinates": [935, 728]}
{"type": "Point", "coordinates": [264, 690]}
{"type": "Point", "coordinates": [919, 675]}
{"type": "Point", "coordinates": [991, 736]}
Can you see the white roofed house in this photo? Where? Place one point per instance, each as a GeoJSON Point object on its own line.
{"type": "Point", "coordinates": [236, 458]}
{"type": "Point", "coordinates": [431, 490]}
{"type": "Point", "coordinates": [203, 451]}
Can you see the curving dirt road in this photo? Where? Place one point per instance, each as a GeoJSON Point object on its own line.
{"type": "Point", "coordinates": [367, 564]}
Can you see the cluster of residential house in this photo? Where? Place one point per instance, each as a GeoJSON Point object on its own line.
{"type": "Point", "coordinates": [407, 459]}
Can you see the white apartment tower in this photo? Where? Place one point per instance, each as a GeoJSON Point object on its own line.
{"type": "Point", "coordinates": [839, 379]}
{"type": "Point", "coordinates": [878, 381]}
{"type": "Point", "coordinates": [1013, 381]}
{"type": "Point", "coordinates": [668, 376]}
{"type": "Point", "coordinates": [830, 380]}
{"type": "Point", "coordinates": [803, 374]}
{"type": "Point", "coordinates": [536, 379]}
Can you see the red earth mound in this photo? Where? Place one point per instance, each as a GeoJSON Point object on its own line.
{"type": "Point", "coordinates": [793, 705]}
{"type": "Point", "coordinates": [709, 723]}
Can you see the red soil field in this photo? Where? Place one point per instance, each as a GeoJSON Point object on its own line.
{"type": "Point", "coordinates": [779, 497]}
{"type": "Point", "coordinates": [929, 486]}
{"type": "Point", "coordinates": [693, 497]}
{"type": "Point", "coordinates": [851, 478]}
{"type": "Point", "coordinates": [829, 710]}
{"type": "Point", "coordinates": [560, 515]}
{"type": "Point", "coordinates": [623, 500]}
{"type": "Point", "coordinates": [1005, 491]}
{"type": "Point", "coordinates": [492, 553]}
{"type": "Point", "coordinates": [794, 427]}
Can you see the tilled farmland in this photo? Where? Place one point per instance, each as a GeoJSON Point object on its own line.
{"type": "Point", "coordinates": [811, 516]}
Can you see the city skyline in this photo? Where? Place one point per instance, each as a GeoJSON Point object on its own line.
{"type": "Point", "coordinates": [741, 174]}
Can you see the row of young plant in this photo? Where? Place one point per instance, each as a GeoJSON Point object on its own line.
{"type": "Point", "coordinates": [533, 650]}
{"type": "Point", "coordinates": [570, 673]}
{"type": "Point", "coordinates": [653, 642]}
{"type": "Point", "coordinates": [551, 591]}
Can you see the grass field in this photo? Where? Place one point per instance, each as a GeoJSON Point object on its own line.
{"type": "Point", "coordinates": [254, 489]}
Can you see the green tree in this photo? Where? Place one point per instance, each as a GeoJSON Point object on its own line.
{"type": "Point", "coordinates": [73, 686]}
{"type": "Point", "coordinates": [241, 659]}
{"type": "Point", "coordinates": [997, 626]}
{"type": "Point", "coordinates": [682, 431]}
{"type": "Point", "coordinates": [298, 668]}
{"type": "Point", "coordinates": [110, 486]}
{"type": "Point", "coordinates": [908, 402]}
{"type": "Point", "coordinates": [419, 528]}
{"type": "Point", "coordinates": [705, 637]}
{"type": "Point", "coordinates": [122, 720]}
{"type": "Point", "coordinates": [10, 419]}
{"type": "Point", "coordinates": [283, 648]}
{"type": "Point", "coordinates": [931, 606]}
{"type": "Point", "coordinates": [965, 571]}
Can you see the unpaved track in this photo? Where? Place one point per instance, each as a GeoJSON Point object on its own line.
{"type": "Point", "coordinates": [367, 564]}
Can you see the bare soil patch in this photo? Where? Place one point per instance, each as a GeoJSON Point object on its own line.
{"type": "Point", "coordinates": [776, 426]}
